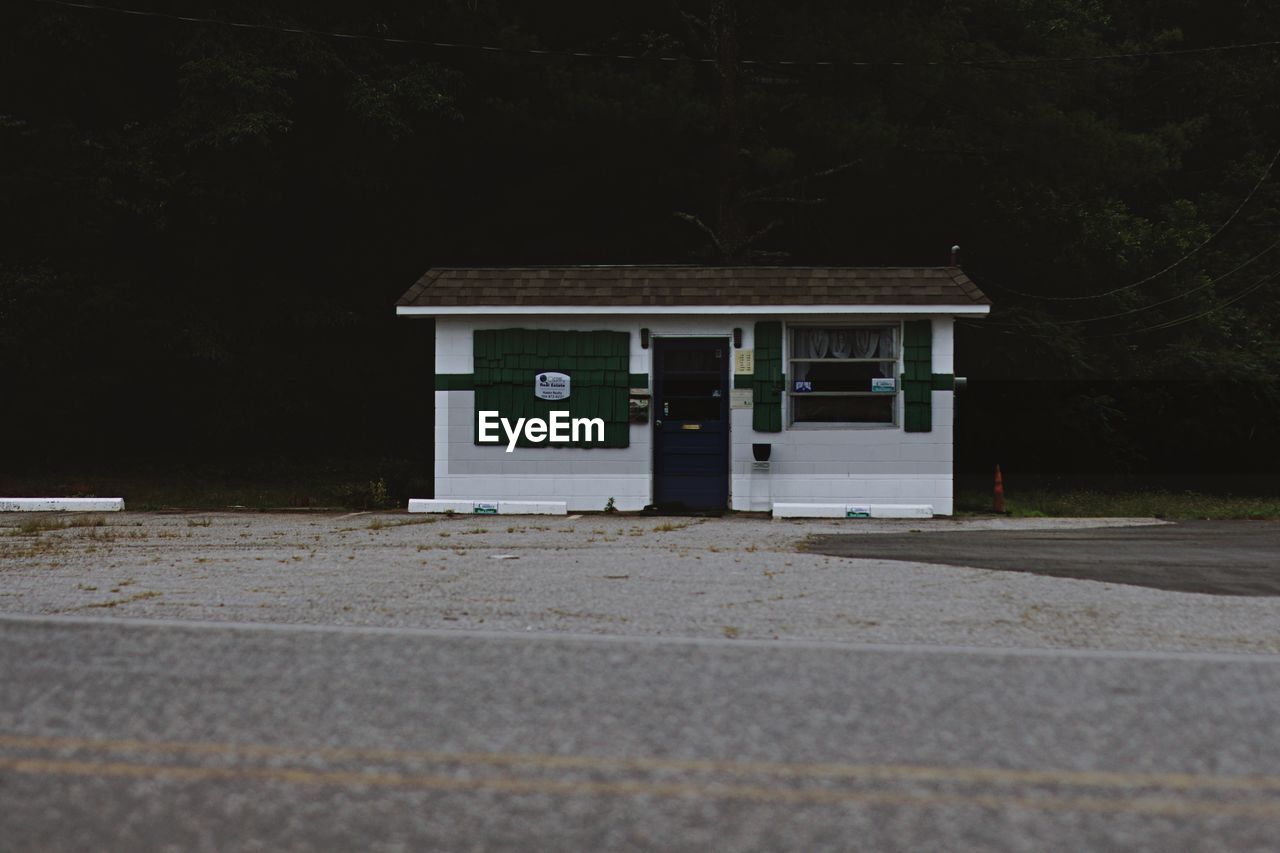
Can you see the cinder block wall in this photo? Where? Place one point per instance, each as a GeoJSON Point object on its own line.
{"type": "Point", "coordinates": [851, 464]}
{"type": "Point", "coordinates": [867, 464]}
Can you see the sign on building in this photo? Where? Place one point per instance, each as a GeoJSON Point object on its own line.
{"type": "Point", "coordinates": [551, 386]}
{"type": "Point", "coordinates": [884, 386]}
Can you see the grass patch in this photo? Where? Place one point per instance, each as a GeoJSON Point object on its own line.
{"type": "Point", "coordinates": [667, 527]}
{"type": "Point", "coordinates": [386, 524]}
{"type": "Point", "coordinates": [1084, 503]}
{"type": "Point", "coordinates": [39, 524]}
{"type": "Point", "coordinates": [31, 548]}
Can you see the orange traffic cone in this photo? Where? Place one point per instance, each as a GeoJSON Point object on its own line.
{"type": "Point", "coordinates": [999, 494]}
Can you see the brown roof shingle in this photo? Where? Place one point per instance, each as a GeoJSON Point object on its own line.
{"type": "Point", "coordinates": [690, 285]}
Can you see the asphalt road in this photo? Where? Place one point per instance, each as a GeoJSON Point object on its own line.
{"type": "Point", "coordinates": [121, 734]}
{"type": "Point", "coordinates": [1213, 557]}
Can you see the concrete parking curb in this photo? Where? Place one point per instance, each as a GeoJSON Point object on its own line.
{"type": "Point", "coordinates": [61, 504]}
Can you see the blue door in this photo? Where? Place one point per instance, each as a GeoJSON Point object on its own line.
{"type": "Point", "coordinates": [691, 423]}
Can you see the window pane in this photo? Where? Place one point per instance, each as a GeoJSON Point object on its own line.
{"type": "Point", "coordinates": [830, 361]}
{"type": "Point", "coordinates": [843, 343]}
{"type": "Point", "coordinates": [835, 376]}
{"type": "Point", "coordinates": [873, 410]}
{"type": "Point", "coordinates": [696, 359]}
{"type": "Point", "coordinates": [691, 408]}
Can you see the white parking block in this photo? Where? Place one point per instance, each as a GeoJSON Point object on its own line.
{"type": "Point", "coordinates": [831, 510]}
{"type": "Point", "coordinates": [489, 507]}
{"type": "Point", "coordinates": [901, 511]}
{"type": "Point", "coordinates": [61, 504]}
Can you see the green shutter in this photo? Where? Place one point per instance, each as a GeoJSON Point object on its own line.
{"type": "Point", "coordinates": [917, 376]}
{"type": "Point", "coordinates": [766, 386]}
{"type": "Point", "coordinates": [507, 360]}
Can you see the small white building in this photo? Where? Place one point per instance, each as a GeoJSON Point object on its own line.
{"type": "Point", "coordinates": [798, 390]}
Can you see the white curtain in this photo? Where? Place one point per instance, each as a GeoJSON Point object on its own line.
{"type": "Point", "coordinates": [819, 343]}
{"type": "Point", "coordinates": [865, 342]}
{"type": "Point", "coordinates": [842, 343]}
{"type": "Point", "coordinates": [886, 351]}
{"type": "Point", "coordinates": [810, 343]}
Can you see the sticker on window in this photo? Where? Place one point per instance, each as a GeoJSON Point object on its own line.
{"type": "Point", "coordinates": [884, 386]}
{"type": "Point", "coordinates": [803, 385]}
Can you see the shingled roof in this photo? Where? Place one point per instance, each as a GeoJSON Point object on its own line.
{"type": "Point", "coordinates": [628, 286]}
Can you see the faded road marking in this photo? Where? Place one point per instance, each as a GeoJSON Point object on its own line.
{"type": "Point", "coordinates": [762, 793]}
{"type": "Point", "coordinates": [1142, 805]}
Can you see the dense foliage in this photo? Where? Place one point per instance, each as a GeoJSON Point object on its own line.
{"type": "Point", "coordinates": [205, 227]}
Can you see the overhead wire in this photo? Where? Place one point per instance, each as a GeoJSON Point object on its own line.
{"type": "Point", "coordinates": [1021, 331]}
{"type": "Point", "coordinates": [642, 57]}
{"type": "Point", "coordinates": [1188, 318]}
{"type": "Point", "coordinates": [1177, 263]}
{"type": "Point", "coordinates": [1139, 309]}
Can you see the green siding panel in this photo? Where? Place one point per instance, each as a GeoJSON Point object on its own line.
{"type": "Point", "coordinates": [767, 384]}
{"type": "Point", "coordinates": [455, 381]}
{"type": "Point", "coordinates": [917, 375]}
{"type": "Point", "coordinates": [506, 361]}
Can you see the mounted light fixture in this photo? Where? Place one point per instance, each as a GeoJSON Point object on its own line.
{"type": "Point", "coordinates": [737, 337]}
{"type": "Point", "coordinates": [644, 339]}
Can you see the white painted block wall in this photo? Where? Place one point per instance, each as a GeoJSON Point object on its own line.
{"type": "Point", "coordinates": [851, 465]}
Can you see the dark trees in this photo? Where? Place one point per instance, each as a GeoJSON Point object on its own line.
{"type": "Point", "coordinates": [204, 227]}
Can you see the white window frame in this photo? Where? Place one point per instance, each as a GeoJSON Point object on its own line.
{"type": "Point", "coordinates": [791, 394]}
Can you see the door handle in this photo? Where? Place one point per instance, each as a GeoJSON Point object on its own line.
{"type": "Point", "coordinates": [658, 422]}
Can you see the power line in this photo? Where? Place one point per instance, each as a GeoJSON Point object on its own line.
{"type": "Point", "coordinates": [1164, 324]}
{"type": "Point", "coordinates": [1196, 250]}
{"type": "Point", "coordinates": [578, 54]}
{"type": "Point", "coordinates": [1188, 318]}
{"type": "Point", "coordinates": [1139, 309]}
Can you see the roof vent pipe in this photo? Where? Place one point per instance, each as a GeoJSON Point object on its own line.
{"type": "Point", "coordinates": [955, 256]}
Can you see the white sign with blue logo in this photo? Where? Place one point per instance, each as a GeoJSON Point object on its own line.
{"type": "Point", "coordinates": [884, 386]}
{"type": "Point", "coordinates": [551, 386]}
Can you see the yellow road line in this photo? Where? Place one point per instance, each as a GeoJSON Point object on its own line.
{"type": "Point", "coordinates": [1142, 805]}
{"type": "Point", "coordinates": [889, 772]}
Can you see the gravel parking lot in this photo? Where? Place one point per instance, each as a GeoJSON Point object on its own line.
{"type": "Point", "coordinates": [626, 575]}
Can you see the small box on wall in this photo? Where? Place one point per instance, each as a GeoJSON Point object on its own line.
{"type": "Point", "coordinates": [638, 407]}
